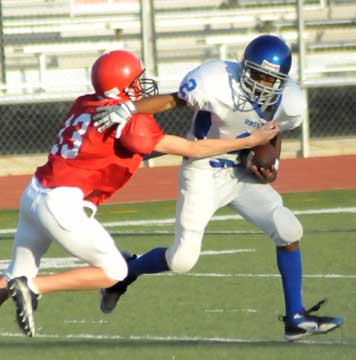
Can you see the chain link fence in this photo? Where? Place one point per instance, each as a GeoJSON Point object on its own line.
{"type": "Point", "coordinates": [46, 57]}
{"type": "Point", "coordinates": [332, 112]}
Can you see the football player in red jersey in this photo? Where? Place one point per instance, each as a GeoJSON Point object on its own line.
{"type": "Point", "coordinates": [84, 168]}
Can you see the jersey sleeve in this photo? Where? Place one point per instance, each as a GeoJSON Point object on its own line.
{"type": "Point", "coordinates": [191, 90]}
{"type": "Point", "coordinates": [205, 88]}
{"type": "Point", "coordinates": [141, 134]}
{"type": "Point", "coordinates": [292, 111]}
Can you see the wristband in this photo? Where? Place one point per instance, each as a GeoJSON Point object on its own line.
{"type": "Point", "coordinates": [131, 107]}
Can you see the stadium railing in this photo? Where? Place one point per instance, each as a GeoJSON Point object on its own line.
{"type": "Point", "coordinates": [54, 40]}
{"type": "Point", "coordinates": [48, 54]}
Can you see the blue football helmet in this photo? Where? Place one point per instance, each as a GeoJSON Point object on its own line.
{"type": "Point", "coordinates": [269, 55]}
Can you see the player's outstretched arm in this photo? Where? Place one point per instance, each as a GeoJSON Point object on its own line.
{"type": "Point", "coordinates": [175, 145]}
{"type": "Point", "coordinates": [107, 116]}
{"type": "Point", "coordinates": [158, 103]}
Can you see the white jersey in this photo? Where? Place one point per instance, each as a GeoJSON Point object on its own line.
{"type": "Point", "coordinates": [213, 91]}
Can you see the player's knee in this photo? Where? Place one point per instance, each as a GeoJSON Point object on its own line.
{"type": "Point", "coordinates": [116, 268]}
{"type": "Point", "coordinates": [183, 258]}
{"type": "Point", "coordinates": [288, 228]}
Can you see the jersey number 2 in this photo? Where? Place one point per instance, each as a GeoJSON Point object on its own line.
{"type": "Point", "coordinates": [188, 86]}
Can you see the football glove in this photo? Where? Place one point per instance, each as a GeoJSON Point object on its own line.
{"type": "Point", "coordinates": [107, 116]}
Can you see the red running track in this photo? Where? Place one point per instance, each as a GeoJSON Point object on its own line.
{"type": "Point", "coordinates": [161, 183]}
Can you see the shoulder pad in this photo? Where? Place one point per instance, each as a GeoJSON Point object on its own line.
{"type": "Point", "coordinates": [294, 102]}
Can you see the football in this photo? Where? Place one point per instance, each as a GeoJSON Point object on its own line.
{"type": "Point", "coordinates": [262, 156]}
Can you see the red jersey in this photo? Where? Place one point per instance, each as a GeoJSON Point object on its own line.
{"type": "Point", "coordinates": [97, 163]}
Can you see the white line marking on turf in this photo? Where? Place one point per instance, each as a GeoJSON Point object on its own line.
{"type": "Point", "coordinates": [174, 339]}
{"type": "Point", "coordinates": [52, 263]}
{"type": "Point", "coordinates": [230, 310]}
{"type": "Point", "coordinates": [214, 218]}
{"type": "Point", "coordinates": [86, 322]}
{"type": "Point", "coordinates": [228, 217]}
{"type": "Point", "coordinates": [244, 275]}
{"type": "Point", "coordinates": [224, 252]}
{"type": "Point", "coordinates": [70, 262]}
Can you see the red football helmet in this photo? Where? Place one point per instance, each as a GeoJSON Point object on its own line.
{"type": "Point", "coordinates": [118, 74]}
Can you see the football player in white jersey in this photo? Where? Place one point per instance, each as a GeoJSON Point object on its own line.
{"type": "Point", "coordinates": [230, 99]}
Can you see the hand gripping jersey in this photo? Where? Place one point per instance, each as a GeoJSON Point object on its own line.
{"type": "Point", "coordinates": [97, 163]}
{"type": "Point", "coordinates": [221, 110]}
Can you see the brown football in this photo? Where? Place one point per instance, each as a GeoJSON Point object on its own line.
{"type": "Point", "coordinates": [262, 156]}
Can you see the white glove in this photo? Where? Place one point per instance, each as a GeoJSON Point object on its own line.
{"type": "Point", "coordinates": [106, 116]}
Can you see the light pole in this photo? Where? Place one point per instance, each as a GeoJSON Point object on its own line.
{"type": "Point", "coordinates": [301, 64]}
{"type": "Point", "coordinates": [148, 37]}
{"type": "Point", "coordinates": [2, 50]}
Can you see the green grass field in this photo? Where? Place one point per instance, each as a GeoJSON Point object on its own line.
{"type": "Point", "coordinates": [226, 308]}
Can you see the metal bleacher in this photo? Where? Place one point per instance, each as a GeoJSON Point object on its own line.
{"type": "Point", "coordinates": [45, 34]}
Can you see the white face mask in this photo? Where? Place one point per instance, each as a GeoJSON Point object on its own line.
{"type": "Point", "coordinates": [141, 87]}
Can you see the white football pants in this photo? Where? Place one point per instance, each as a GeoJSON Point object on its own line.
{"type": "Point", "coordinates": [203, 190]}
{"type": "Point", "coordinates": [58, 214]}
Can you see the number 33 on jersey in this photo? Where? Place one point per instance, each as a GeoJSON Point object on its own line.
{"type": "Point", "coordinates": [78, 127]}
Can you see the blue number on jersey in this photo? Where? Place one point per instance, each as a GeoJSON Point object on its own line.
{"type": "Point", "coordinates": [202, 124]}
{"type": "Point", "coordinates": [188, 86]}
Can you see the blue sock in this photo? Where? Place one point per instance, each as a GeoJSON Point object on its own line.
{"type": "Point", "coordinates": [151, 262]}
{"type": "Point", "coordinates": [290, 266]}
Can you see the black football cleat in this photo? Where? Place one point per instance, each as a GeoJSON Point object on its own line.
{"type": "Point", "coordinates": [109, 297]}
{"type": "Point", "coordinates": [26, 303]}
{"type": "Point", "coordinates": [303, 324]}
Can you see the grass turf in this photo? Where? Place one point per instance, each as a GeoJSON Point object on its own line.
{"type": "Point", "coordinates": [226, 308]}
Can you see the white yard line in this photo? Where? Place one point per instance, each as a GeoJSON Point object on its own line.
{"type": "Point", "coordinates": [247, 275]}
{"type": "Point", "coordinates": [224, 252]}
{"type": "Point", "coordinates": [214, 218]}
{"type": "Point", "coordinates": [172, 339]}
{"type": "Point", "coordinates": [71, 262]}
{"type": "Point", "coordinates": [225, 217]}
{"type": "Point", "coordinates": [90, 322]}
{"type": "Point", "coordinates": [68, 263]}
